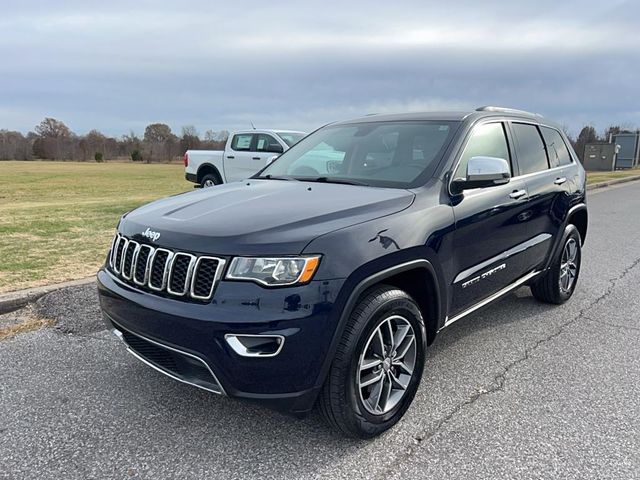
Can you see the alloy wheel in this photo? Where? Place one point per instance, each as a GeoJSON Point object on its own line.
{"type": "Point", "coordinates": [568, 265]}
{"type": "Point", "coordinates": [386, 365]}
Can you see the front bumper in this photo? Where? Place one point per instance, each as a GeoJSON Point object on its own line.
{"type": "Point", "coordinates": [301, 315]}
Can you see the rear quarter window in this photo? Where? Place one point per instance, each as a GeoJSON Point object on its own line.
{"type": "Point", "coordinates": [556, 148]}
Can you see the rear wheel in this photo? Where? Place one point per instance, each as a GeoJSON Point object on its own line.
{"type": "Point", "coordinates": [378, 365]}
{"type": "Point", "coordinates": [210, 180]}
{"type": "Point", "coordinates": [559, 282]}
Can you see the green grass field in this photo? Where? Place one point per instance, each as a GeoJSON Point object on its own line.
{"type": "Point", "coordinates": [597, 177]}
{"type": "Point", "coordinates": [58, 218]}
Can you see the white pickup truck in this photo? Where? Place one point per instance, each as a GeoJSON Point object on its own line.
{"type": "Point", "coordinates": [244, 154]}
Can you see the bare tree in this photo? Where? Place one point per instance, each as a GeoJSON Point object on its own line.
{"type": "Point", "coordinates": [190, 139]}
{"type": "Point", "coordinates": [52, 128]}
{"type": "Point", "coordinates": [160, 143]}
{"type": "Point", "coordinates": [157, 132]}
{"type": "Point", "coordinates": [14, 146]}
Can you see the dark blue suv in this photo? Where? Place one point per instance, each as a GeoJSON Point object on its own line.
{"type": "Point", "coordinates": [322, 279]}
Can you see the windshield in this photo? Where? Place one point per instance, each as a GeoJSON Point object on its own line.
{"type": "Point", "coordinates": [387, 154]}
{"type": "Point", "coordinates": [290, 138]}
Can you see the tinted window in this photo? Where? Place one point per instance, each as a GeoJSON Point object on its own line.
{"type": "Point", "coordinates": [532, 156]}
{"type": "Point", "coordinates": [242, 142]}
{"type": "Point", "coordinates": [486, 140]}
{"type": "Point", "coordinates": [266, 143]}
{"type": "Point", "coordinates": [556, 148]}
{"type": "Point", "coordinates": [392, 154]}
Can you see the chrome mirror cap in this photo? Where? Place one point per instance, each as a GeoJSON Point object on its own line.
{"type": "Point", "coordinates": [482, 172]}
{"type": "Point", "coordinates": [488, 169]}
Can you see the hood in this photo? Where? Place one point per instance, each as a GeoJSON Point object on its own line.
{"type": "Point", "coordinates": [258, 217]}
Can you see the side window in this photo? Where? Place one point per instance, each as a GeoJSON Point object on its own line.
{"type": "Point", "coordinates": [487, 140]}
{"type": "Point", "coordinates": [532, 156]}
{"type": "Point", "coordinates": [556, 148]}
{"type": "Point", "coordinates": [242, 142]}
{"type": "Point", "coordinates": [266, 143]}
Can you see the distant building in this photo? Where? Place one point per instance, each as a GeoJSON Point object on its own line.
{"type": "Point", "coordinates": [599, 157]}
{"type": "Point", "coordinates": [621, 151]}
{"type": "Point", "coordinates": [628, 152]}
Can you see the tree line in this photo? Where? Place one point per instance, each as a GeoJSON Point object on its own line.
{"type": "Point", "coordinates": [53, 140]}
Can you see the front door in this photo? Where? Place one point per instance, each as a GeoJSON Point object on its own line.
{"type": "Point", "coordinates": [490, 226]}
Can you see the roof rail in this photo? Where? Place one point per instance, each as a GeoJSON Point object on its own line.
{"type": "Point", "coordinates": [490, 108]}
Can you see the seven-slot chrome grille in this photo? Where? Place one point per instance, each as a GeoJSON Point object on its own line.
{"type": "Point", "coordinates": [178, 274]}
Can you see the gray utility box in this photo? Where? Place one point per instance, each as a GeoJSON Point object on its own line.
{"type": "Point", "coordinates": [628, 152]}
{"type": "Point", "coordinates": [599, 157]}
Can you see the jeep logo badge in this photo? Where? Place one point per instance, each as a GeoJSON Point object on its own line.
{"type": "Point", "coordinates": [150, 234]}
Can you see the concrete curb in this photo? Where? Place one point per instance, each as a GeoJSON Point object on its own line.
{"type": "Point", "coordinates": [14, 300]}
{"type": "Point", "coordinates": [614, 181]}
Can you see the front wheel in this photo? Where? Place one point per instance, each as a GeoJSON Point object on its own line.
{"type": "Point", "coordinates": [559, 282]}
{"type": "Point", "coordinates": [378, 365]}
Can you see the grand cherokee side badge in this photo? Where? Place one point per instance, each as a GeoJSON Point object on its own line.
{"type": "Point", "coordinates": [151, 235]}
{"type": "Point", "coordinates": [484, 275]}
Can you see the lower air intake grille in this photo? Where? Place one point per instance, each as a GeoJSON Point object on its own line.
{"type": "Point", "coordinates": [173, 362]}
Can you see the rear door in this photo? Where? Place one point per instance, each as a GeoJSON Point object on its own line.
{"type": "Point", "coordinates": [539, 154]}
{"type": "Point", "coordinates": [490, 225]}
{"type": "Point", "coordinates": [238, 162]}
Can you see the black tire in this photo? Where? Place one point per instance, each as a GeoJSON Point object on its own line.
{"type": "Point", "coordinates": [210, 180]}
{"type": "Point", "coordinates": [549, 289]}
{"type": "Point", "coordinates": [341, 401]}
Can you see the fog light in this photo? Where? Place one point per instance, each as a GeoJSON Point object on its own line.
{"type": "Point", "coordinates": [255, 345]}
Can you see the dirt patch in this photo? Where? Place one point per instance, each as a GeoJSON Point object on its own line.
{"type": "Point", "coordinates": [22, 321]}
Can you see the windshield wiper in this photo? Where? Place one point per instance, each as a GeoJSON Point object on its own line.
{"type": "Point", "coordinates": [274, 177]}
{"type": "Point", "coordinates": [334, 180]}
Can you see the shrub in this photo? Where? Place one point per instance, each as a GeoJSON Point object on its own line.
{"type": "Point", "coordinates": [98, 157]}
{"type": "Point", "coordinates": [136, 156]}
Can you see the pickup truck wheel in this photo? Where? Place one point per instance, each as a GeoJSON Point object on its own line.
{"type": "Point", "coordinates": [559, 282]}
{"type": "Point", "coordinates": [210, 180]}
{"type": "Point", "coordinates": [378, 365]}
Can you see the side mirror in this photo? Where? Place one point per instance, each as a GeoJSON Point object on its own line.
{"type": "Point", "coordinates": [484, 172]}
{"type": "Point", "coordinates": [276, 148]}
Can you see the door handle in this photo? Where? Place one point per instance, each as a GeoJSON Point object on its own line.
{"type": "Point", "coordinates": [256, 158]}
{"type": "Point", "coordinates": [560, 180]}
{"type": "Point", "coordinates": [517, 194]}
{"type": "Point", "coordinates": [230, 157]}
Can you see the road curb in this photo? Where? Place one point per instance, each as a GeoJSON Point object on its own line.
{"type": "Point", "coordinates": [614, 181]}
{"type": "Point", "coordinates": [14, 300]}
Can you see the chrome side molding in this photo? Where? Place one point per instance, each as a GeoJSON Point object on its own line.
{"type": "Point", "coordinates": [448, 321]}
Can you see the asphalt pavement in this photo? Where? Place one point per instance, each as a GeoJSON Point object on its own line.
{"type": "Point", "coordinates": [517, 390]}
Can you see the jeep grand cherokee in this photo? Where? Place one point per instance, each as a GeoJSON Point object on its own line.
{"type": "Point", "coordinates": [322, 279]}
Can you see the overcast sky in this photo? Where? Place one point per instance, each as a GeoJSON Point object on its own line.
{"type": "Point", "coordinates": [220, 65]}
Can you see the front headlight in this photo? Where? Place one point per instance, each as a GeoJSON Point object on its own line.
{"type": "Point", "coordinates": [274, 271]}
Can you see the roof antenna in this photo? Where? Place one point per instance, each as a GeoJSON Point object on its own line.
{"type": "Point", "coordinates": [254, 127]}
